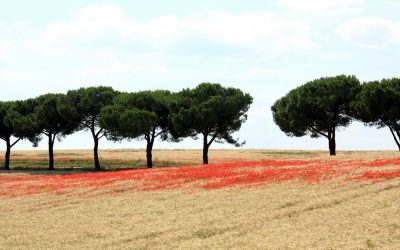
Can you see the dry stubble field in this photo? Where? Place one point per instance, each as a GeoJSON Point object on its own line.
{"type": "Point", "coordinates": [245, 199]}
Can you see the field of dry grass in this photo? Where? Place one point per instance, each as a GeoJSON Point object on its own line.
{"type": "Point", "coordinates": [246, 199]}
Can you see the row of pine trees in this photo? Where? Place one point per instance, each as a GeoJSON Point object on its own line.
{"type": "Point", "coordinates": [319, 107]}
{"type": "Point", "coordinates": [209, 110]}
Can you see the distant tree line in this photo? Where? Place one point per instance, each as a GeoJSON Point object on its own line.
{"type": "Point", "coordinates": [208, 110]}
{"type": "Point", "coordinates": [319, 107]}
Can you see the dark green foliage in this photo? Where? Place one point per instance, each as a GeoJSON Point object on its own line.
{"type": "Point", "coordinates": [16, 120]}
{"type": "Point", "coordinates": [25, 120]}
{"type": "Point", "coordinates": [85, 105]}
{"type": "Point", "coordinates": [141, 115]}
{"type": "Point", "coordinates": [378, 104]}
{"type": "Point", "coordinates": [51, 123]}
{"type": "Point", "coordinates": [212, 111]}
{"type": "Point", "coordinates": [317, 108]}
{"type": "Point", "coordinates": [7, 129]}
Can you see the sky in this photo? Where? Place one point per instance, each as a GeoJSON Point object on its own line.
{"type": "Point", "coordinates": [264, 47]}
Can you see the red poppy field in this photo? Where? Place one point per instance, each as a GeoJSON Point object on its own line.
{"type": "Point", "coordinates": [213, 176]}
{"type": "Point", "coordinates": [249, 199]}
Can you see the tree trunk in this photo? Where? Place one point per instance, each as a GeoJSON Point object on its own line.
{"type": "Point", "coordinates": [7, 156]}
{"type": "Point", "coordinates": [51, 152]}
{"type": "Point", "coordinates": [332, 141]}
{"type": "Point", "coordinates": [149, 155]}
{"type": "Point", "coordinates": [332, 146]}
{"type": "Point", "coordinates": [96, 137]}
{"type": "Point", "coordinates": [394, 137]}
{"type": "Point", "coordinates": [398, 136]}
{"type": "Point", "coordinates": [96, 154]}
{"type": "Point", "coordinates": [205, 150]}
{"type": "Point", "coordinates": [398, 144]}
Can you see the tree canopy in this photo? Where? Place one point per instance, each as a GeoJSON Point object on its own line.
{"type": "Point", "coordinates": [211, 110]}
{"type": "Point", "coordinates": [141, 115]}
{"type": "Point", "coordinates": [16, 120]}
{"type": "Point", "coordinates": [317, 108]}
{"type": "Point", "coordinates": [378, 104]}
{"type": "Point", "coordinates": [51, 123]}
{"type": "Point", "coordinates": [85, 105]}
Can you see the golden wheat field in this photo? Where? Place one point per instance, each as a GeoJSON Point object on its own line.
{"type": "Point", "coordinates": [244, 199]}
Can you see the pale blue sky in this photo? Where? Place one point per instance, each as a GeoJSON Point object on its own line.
{"type": "Point", "coordinates": [264, 47]}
